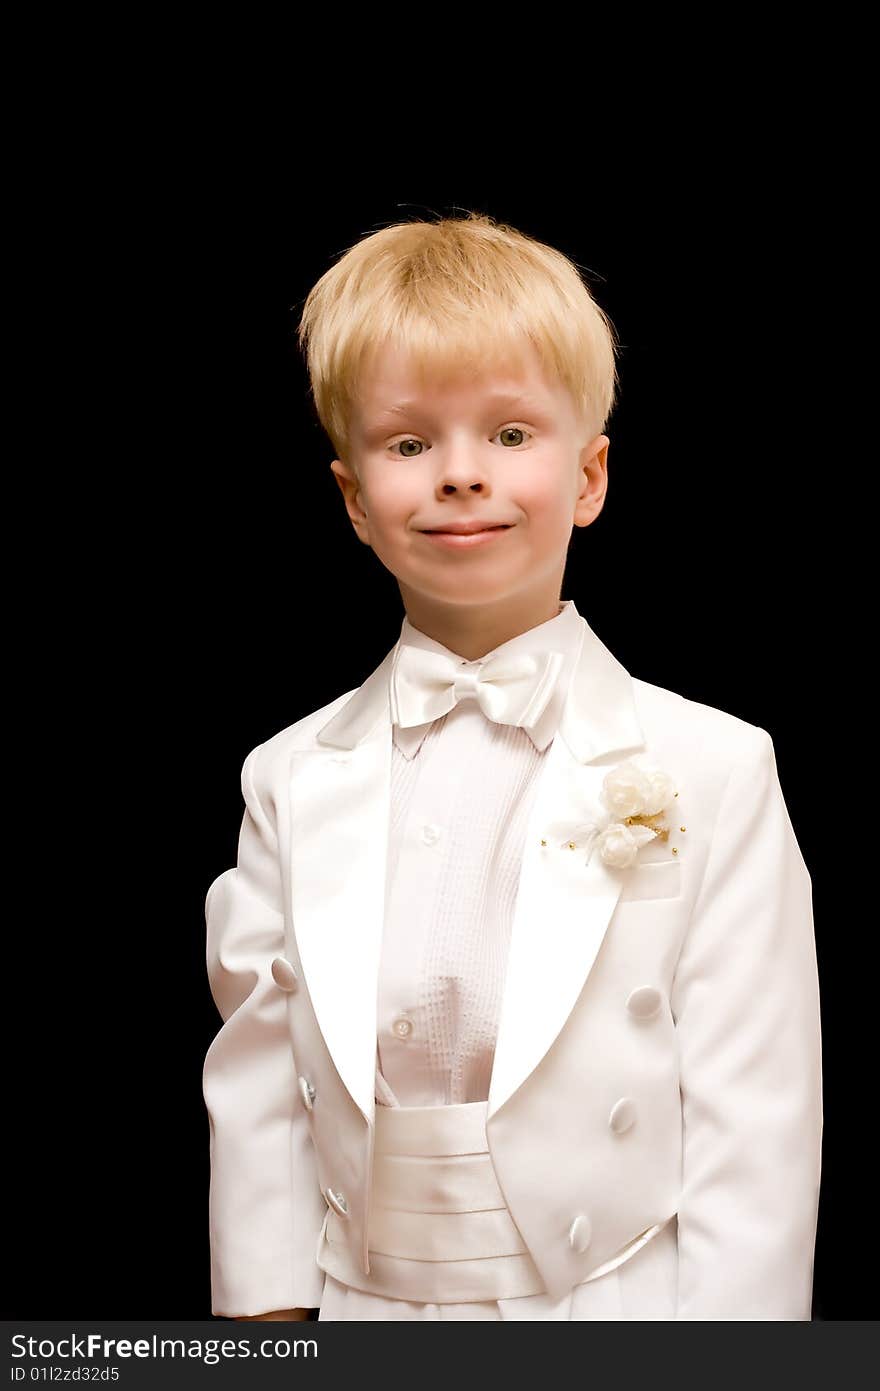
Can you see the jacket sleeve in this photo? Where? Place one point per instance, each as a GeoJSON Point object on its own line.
{"type": "Point", "coordinates": [745, 1000]}
{"type": "Point", "coordinates": [265, 1207]}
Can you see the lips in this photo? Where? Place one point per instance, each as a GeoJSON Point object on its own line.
{"type": "Point", "coordinates": [466, 529]}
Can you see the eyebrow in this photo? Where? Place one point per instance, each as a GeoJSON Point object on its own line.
{"type": "Point", "coordinates": [497, 398]}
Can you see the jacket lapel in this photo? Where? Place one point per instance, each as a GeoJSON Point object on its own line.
{"type": "Point", "coordinates": [339, 817]}
{"type": "Point", "coordinates": [340, 802]}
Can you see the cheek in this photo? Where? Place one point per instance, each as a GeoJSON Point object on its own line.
{"type": "Point", "coordinates": [390, 504]}
{"type": "Point", "coordinates": [545, 503]}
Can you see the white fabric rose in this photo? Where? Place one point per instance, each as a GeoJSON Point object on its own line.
{"type": "Point", "coordinates": [661, 793]}
{"type": "Point", "coordinates": [631, 793]}
{"type": "Point", "coordinates": [631, 790]}
{"type": "Point", "coordinates": [619, 844]}
{"type": "Point", "coordinates": [626, 789]}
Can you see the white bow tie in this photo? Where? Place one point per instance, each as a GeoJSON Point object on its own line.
{"type": "Point", "coordinates": [510, 689]}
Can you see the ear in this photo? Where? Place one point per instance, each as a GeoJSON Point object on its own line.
{"type": "Point", "coordinates": [592, 480]}
{"type": "Point", "coordinates": [349, 485]}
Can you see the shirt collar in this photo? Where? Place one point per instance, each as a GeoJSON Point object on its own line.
{"type": "Point", "coordinates": [559, 634]}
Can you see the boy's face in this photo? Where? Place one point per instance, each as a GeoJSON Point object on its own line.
{"type": "Point", "coordinates": [501, 448]}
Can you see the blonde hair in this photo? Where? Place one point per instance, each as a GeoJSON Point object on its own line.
{"type": "Point", "coordinates": [459, 294]}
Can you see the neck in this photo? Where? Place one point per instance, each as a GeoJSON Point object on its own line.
{"type": "Point", "coordinates": [474, 630]}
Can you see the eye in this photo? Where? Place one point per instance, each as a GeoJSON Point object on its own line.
{"type": "Point", "coordinates": [507, 430]}
{"type": "Point", "coordinates": [400, 444]}
{"type": "Point", "coordinates": [514, 430]}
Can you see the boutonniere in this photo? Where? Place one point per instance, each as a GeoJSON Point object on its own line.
{"type": "Point", "coordinates": [635, 800]}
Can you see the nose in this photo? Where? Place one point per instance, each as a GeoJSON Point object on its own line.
{"type": "Point", "coordinates": [448, 488]}
{"type": "Point", "coordinates": [462, 472]}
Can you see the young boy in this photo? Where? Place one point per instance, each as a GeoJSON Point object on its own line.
{"type": "Point", "coordinates": [517, 965]}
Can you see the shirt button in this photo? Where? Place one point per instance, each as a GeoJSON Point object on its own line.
{"type": "Point", "coordinates": [403, 1027]}
{"type": "Point", "coordinates": [580, 1233]}
{"type": "Point", "coordinates": [623, 1115]}
{"type": "Point", "coordinates": [307, 1092]}
{"type": "Point", "coordinates": [430, 834]}
{"type": "Point", "coordinates": [283, 974]}
{"type": "Point", "coordinates": [644, 1001]}
{"type": "Point", "coordinates": [337, 1201]}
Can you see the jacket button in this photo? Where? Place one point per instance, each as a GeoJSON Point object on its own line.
{"type": "Point", "coordinates": [336, 1201]}
{"type": "Point", "coordinates": [623, 1115]}
{"type": "Point", "coordinates": [283, 974]}
{"type": "Point", "coordinates": [307, 1092]}
{"type": "Point", "coordinates": [580, 1233]}
{"type": "Point", "coordinates": [644, 1002]}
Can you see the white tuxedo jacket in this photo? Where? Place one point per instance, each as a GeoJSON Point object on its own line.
{"type": "Point", "coordinates": [684, 987]}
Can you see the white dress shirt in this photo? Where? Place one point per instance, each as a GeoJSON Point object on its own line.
{"type": "Point", "coordinates": [461, 790]}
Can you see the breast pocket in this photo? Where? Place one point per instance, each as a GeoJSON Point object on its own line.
{"type": "Point", "coordinates": [651, 879]}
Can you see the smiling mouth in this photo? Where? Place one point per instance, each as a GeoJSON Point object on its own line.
{"type": "Point", "coordinates": [441, 531]}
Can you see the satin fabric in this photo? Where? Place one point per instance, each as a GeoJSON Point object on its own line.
{"type": "Point", "coordinates": [512, 687]}
{"type": "Point", "coordinates": [440, 1230]}
{"type": "Point", "coordinates": [643, 1289]}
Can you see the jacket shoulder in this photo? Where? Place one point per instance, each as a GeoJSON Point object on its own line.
{"type": "Point", "coordinates": [696, 731]}
{"type": "Point", "coordinates": [264, 758]}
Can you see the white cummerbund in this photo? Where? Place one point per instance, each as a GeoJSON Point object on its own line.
{"type": "Point", "coordinates": [440, 1230]}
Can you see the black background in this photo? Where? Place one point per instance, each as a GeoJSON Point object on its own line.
{"type": "Point", "coordinates": [194, 586]}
